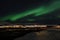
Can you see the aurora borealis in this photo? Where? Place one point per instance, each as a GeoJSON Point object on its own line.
{"type": "Point", "coordinates": [37, 11]}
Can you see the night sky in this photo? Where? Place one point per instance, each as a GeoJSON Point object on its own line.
{"type": "Point", "coordinates": [8, 6]}
{"type": "Point", "coordinates": [23, 11]}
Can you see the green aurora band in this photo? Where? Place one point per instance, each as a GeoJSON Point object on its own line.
{"type": "Point", "coordinates": [41, 10]}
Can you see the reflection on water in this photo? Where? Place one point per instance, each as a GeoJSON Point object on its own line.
{"type": "Point", "coordinates": [30, 36]}
{"type": "Point", "coordinates": [43, 35]}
